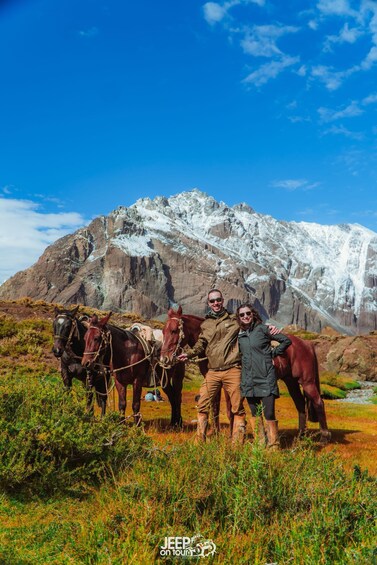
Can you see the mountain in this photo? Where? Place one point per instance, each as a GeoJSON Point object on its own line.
{"type": "Point", "coordinates": [172, 250]}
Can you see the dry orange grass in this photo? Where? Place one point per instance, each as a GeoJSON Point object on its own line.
{"type": "Point", "coordinates": [353, 426]}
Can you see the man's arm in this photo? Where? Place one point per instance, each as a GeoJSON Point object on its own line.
{"type": "Point", "coordinates": [197, 351]}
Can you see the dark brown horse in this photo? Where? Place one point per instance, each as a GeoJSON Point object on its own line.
{"type": "Point", "coordinates": [298, 367]}
{"type": "Point", "coordinates": [69, 345]}
{"type": "Point", "coordinates": [120, 351]}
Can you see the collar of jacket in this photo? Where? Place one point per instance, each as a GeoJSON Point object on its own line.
{"type": "Point", "coordinates": [218, 315]}
{"type": "Point", "coordinates": [248, 330]}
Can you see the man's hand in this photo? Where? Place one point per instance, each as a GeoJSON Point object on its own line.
{"type": "Point", "coordinates": [273, 330]}
{"type": "Point", "coordinates": [182, 357]}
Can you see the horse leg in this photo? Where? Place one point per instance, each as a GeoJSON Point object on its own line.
{"type": "Point", "coordinates": [122, 395]}
{"type": "Point", "coordinates": [312, 392]}
{"type": "Point", "coordinates": [178, 376]}
{"type": "Point", "coordinates": [174, 392]}
{"type": "Point", "coordinates": [136, 401]}
{"type": "Point", "coordinates": [299, 401]}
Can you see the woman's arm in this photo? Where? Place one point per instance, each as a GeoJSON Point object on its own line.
{"type": "Point", "coordinates": [284, 343]}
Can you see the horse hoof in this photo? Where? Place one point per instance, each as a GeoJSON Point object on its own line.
{"type": "Point", "coordinates": [325, 436]}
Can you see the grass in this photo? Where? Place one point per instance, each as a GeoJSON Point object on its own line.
{"type": "Point", "coordinates": [67, 498]}
{"type": "Point", "coordinates": [297, 507]}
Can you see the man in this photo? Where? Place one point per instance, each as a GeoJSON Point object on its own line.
{"type": "Point", "coordinates": [218, 341]}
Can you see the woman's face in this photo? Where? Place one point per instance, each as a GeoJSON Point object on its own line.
{"type": "Point", "coordinates": [245, 316]}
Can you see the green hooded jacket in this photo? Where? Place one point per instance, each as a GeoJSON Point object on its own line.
{"type": "Point", "coordinates": [258, 374]}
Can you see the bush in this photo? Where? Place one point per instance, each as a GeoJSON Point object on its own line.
{"type": "Point", "coordinates": [49, 443]}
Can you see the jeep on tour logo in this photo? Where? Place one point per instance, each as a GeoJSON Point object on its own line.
{"type": "Point", "coordinates": [186, 547]}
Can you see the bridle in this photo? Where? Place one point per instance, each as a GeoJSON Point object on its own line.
{"type": "Point", "coordinates": [106, 341]}
{"type": "Point", "coordinates": [177, 348]}
{"type": "Point", "coordinates": [72, 332]}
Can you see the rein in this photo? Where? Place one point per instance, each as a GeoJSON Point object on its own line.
{"type": "Point", "coordinates": [108, 339]}
{"type": "Point", "coordinates": [177, 347]}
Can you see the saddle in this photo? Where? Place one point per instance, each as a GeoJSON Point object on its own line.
{"type": "Point", "coordinates": [151, 340]}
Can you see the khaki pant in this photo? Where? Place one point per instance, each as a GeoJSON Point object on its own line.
{"type": "Point", "coordinates": [231, 381]}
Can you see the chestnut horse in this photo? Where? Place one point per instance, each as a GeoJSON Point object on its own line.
{"type": "Point", "coordinates": [123, 354]}
{"type": "Point", "coordinates": [69, 347]}
{"type": "Point", "coordinates": [298, 367]}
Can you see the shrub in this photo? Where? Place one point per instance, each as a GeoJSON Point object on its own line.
{"type": "Point", "coordinates": [49, 443]}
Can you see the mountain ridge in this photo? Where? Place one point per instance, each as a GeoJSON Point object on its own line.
{"type": "Point", "coordinates": [166, 251]}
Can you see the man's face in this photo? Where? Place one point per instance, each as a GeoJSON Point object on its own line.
{"type": "Point", "coordinates": [215, 301]}
{"type": "Point", "coordinates": [245, 316]}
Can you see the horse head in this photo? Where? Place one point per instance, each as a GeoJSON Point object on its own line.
{"type": "Point", "coordinates": [173, 337]}
{"type": "Point", "coordinates": [64, 326]}
{"type": "Point", "coordinates": [96, 341]}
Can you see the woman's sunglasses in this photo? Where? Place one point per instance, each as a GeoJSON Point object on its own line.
{"type": "Point", "coordinates": [243, 314]}
{"type": "Point", "coordinates": [212, 300]}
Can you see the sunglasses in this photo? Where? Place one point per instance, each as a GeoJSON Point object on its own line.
{"type": "Point", "coordinates": [243, 314]}
{"type": "Point", "coordinates": [213, 300]}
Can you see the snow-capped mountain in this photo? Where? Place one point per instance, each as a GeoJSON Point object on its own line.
{"type": "Point", "coordinates": [172, 250]}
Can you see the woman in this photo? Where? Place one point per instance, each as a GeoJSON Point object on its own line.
{"type": "Point", "coordinates": [258, 380]}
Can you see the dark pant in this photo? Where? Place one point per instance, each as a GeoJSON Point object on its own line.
{"type": "Point", "coordinates": [267, 403]}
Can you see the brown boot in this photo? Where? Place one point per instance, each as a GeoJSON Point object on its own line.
{"type": "Point", "coordinates": [201, 430]}
{"type": "Point", "coordinates": [239, 430]}
{"type": "Point", "coordinates": [259, 433]}
{"type": "Point", "coordinates": [272, 434]}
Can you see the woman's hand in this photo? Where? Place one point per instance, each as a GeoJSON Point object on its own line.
{"type": "Point", "coordinates": [182, 357]}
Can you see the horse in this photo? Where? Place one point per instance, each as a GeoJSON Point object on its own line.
{"type": "Point", "coordinates": [69, 347]}
{"type": "Point", "coordinates": [180, 330]}
{"type": "Point", "coordinates": [122, 352]}
{"type": "Point", "coordinates": [298, 367]}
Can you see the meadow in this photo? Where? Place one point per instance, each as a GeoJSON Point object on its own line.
{"type": "Point", "coordinates": [80, 490]}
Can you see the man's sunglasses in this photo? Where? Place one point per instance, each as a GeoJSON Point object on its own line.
{"type": "Point", "coordinates": [243, 314]}
{"type": "Point", "coordinates": [212, 300]}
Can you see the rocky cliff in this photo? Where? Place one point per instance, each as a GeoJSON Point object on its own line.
{"type": "Point", "coordinates": [167, 251]}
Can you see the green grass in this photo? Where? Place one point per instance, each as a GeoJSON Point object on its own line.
{"type": "Point", "coordinates": [78, 490]}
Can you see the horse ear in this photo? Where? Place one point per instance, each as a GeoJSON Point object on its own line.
{"type": "Point", "coordinates": [104, 320]}
{"type": "Point", "coordinates": [179, 311]}
{"type": "Point", "coordinates": [171, 313]}
{"type": "Point", "coordinates": [74, 311]}
{"type": "Point", "coordinates": [56, 311]}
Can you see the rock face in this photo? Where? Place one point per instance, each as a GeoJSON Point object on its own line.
{"type": "Point", "coordinates": [168, 251]}
{"type": "Point", "coordinates": [354, 356]}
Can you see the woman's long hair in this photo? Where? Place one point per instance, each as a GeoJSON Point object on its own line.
{"type": "Point", "coordinates": [256, 316]}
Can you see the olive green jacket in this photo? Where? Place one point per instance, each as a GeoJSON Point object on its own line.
{"type": "Point", "coordinates": [218, 341]}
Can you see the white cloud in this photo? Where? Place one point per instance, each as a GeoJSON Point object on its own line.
{"type": "Point", "coordinates": [215, 12]}
{"type": "Point", "coordinates": [371, 99]}
{"type": "Point", "coordinates": [349, 111]}
{"type": "Point", "coordinates": [91, 32]}
{"type": "Point", "coordinates": [270, 70]}
{"type": "Point", "coordinates": [346, 35]}
{"type": "Point", "coordinates": [295, 184]}
{"type": "Point", "coordinates": [25, 232]}
{"type": "Point", "coordinates": [336, 8]}
{"type": "Point", "coordinates": [341, 130]}
{"type": "Point", "coordinates": [260, 41]}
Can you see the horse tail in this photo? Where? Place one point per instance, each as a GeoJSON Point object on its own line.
{"type": "Point", "coordinates": [310, 408]}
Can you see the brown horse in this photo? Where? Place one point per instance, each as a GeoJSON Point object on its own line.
{"type": "Point", "coordinates": [123, 354]}
{"type": "Point", "coordinates": [297, 367]}
{"type": "Point", "coordinates": [69, 345]}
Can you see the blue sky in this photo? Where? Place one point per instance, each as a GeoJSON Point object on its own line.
{"type": "Point", "coordinates": [106, 101]}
